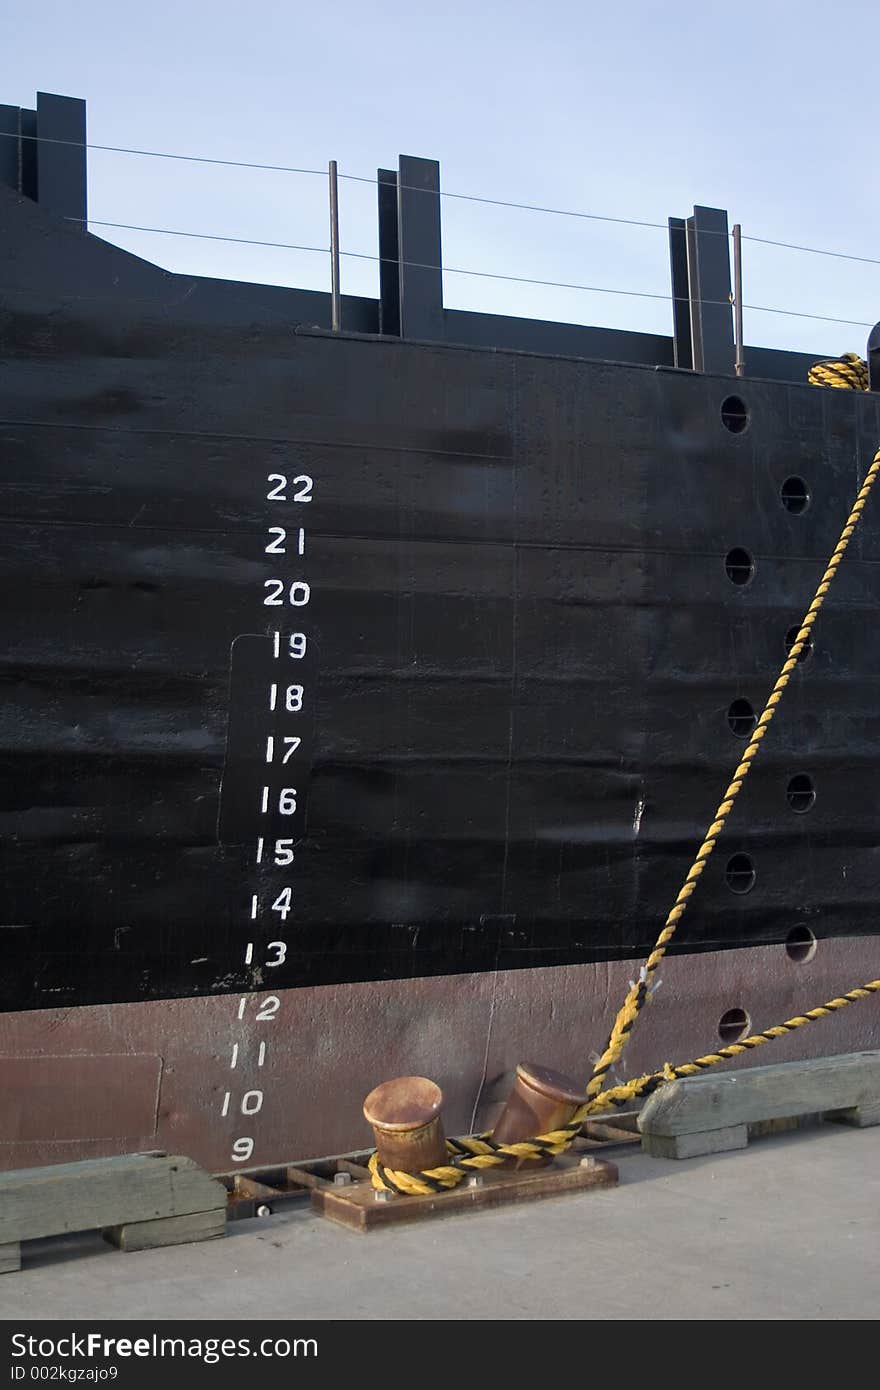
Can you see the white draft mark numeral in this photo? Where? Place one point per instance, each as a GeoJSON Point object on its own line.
{"type": "Point", "coordinates": [286, 801]}
{"type": "Point", "coordinates": [278, 546]}
{"type": "Point", "coordinates": [283, 903]}
{"type": "Point", "coordinates": [295, 645]}
{"type": "Point", "coordinates": [261, 1056]}
{"type": "Point", "coordinates": [302, 485]}
{"type": "Point", "coordinates": [278, 956]}
{"type": "Point", "coordinates": [251, 1103]}
{"type": "Point", "coordinates": [289, 745]}
{"type": "Point", "coordinates": [298, 593]}
{"type": "Point", "coordinates": [292, 699]}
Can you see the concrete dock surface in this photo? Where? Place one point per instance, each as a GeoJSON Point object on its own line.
{"type": "Point", "coordinates": [787, 1229]}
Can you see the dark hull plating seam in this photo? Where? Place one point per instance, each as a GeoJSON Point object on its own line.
{"type": "Point", "coordinates": [524, 648]}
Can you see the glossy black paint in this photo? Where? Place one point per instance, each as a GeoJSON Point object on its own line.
{"type": "Point", "coordinates": [525, 641]}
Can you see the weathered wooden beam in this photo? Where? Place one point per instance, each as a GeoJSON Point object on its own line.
{"type": "Point", "coordinates": [103, 1192]}
{"type": "Point", "coordinates": [167, 1230]}
{"type": "Point", "coordinates": [711, 1114]}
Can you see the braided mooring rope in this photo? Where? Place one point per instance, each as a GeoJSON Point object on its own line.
{"type": "Point", "coordinates": [476, 1152]}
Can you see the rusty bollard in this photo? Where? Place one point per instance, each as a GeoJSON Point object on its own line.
{"type": "Point", "coordinates": [406, 1121]}
{"type": "Point", "coordinates": [541, 1100]}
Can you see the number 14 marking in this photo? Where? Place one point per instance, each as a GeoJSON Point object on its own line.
{"type": "Point", "coordinates": [282, 904]}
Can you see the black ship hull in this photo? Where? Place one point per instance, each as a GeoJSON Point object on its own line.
{"type": "Point", "coordinates": [366, 698]}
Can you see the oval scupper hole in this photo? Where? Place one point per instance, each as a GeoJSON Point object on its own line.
{"type": "Point", "coordinates": [734, 414]}
{"type": "Point", "coordinates": [733, 1026]}
{"type": "Point", "coordinates": [800, 944]}
{"type": "Point", "coordinates": [741, 718]}
{"type": "Point", "coordinates": [795, 495]}
{"type": "Point", "coordinates": [739, 874]}
{"type": "Point", "coordinates": [739, 566]}
{"type": "Point", "coordinates": [800, 793]}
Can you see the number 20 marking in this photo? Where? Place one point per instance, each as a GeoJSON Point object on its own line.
{"type": "Point", "coordinates": [298, 594]}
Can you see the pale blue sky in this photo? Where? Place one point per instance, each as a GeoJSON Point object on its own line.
{"type": "Point", "coordinates": [764, 107]}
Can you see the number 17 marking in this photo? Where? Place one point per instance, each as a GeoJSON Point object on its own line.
{"type": "Point", "coordinates": [289, 744]}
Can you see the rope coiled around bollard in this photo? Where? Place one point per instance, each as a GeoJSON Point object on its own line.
{"type": "Point", "coordinates": [849, 372]}
{"type": "Point", "coordinates": [477, 1152]}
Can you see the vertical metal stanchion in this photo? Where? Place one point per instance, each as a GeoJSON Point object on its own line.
{"type": "Point", "coordinates": [335, 297]}
{"type": "Point", "coordinates": [737, 296]}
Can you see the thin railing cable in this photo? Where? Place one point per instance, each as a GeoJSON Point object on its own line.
{"type": "Point", "coordinates": [460, 270]}
{"type": "Point", "coordinates": [443, 193]}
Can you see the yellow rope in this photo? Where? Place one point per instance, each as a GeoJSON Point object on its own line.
{"type": "Point", "coordinates": [479, 1151]}
{"type": "Point", "coordinates": [849, 372]}
{"type": "Point", "coordinates": [640, 990]}
{"type": "Point", "coordinates": [644, 1085]}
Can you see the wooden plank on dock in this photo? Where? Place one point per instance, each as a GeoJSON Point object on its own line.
{"type": "Point", "coordinates": [710, 1114]}
{"type": "Point", "coordinates": [97, 1193]}
{"type": "Point", "coordinates": [168, 1230]}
